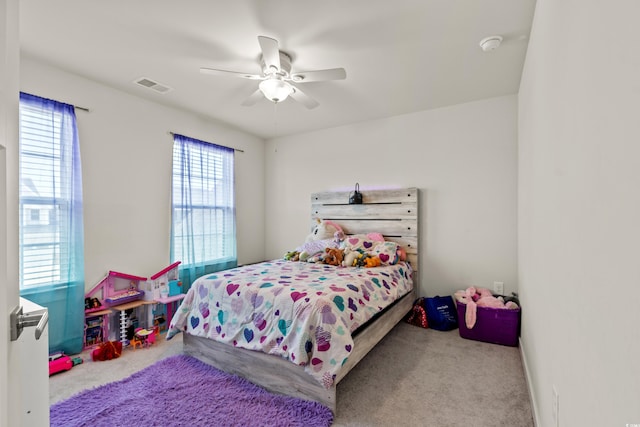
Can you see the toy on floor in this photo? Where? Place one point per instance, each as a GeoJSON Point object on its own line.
{"type": "Point", "coordinates": [418, 315]}
{"type": "Point", "coordinates": [144, 337]}
{"type": "Point", "coordinates": [59, 362]}
{"type": "Point", "coordinates": [135, 342]}
{"type": "Point", "coordinates": [107, 351]}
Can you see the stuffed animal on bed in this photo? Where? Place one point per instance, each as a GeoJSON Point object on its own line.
{"type": "Point", "coordinates": [326, 234]}
{"type": "Point", "coordinates": [333, 256]}
{"type": "Point", "coordinates": [350, 256]}
{"type": "Point", "coordinates": [292, 256]}
{"type": "Point", "coordinates": [324, 230]}
{"type": "Point", "coordinates": [372, 261]}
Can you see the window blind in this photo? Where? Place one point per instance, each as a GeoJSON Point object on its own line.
{"type": "Point", "coordinates": [46, 155]}
{"type": "Point", "coordinates": [203, 214]}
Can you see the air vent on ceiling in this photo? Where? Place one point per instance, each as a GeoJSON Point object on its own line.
{"type": "Point", "coordinates": [150, 84]}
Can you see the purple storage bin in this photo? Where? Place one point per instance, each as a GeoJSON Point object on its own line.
{"type": "Point", "coordinates": [493, 325]}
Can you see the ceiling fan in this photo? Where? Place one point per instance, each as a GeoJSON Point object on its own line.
{"type": "Point", "coordinates": [277, 80]}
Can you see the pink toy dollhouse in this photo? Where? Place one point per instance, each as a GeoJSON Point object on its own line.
{"type": "Point", "coordinates": [125, 293]}
{"type": "Point", "coordinates": [116, 290]}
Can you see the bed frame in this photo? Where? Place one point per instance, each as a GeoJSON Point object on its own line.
{"type": "Point", "coordinates": [394, 213]}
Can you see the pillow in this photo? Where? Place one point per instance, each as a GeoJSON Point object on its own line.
{"type": "Point", "coordinates": [376, 237]}
{"type": "Point", "coordinates": [359, 241]}
{"type": "Point", "coordinates": [387, 252]}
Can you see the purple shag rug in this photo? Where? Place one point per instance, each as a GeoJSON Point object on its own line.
{"type": "Point", "coordinates": [183, 391]}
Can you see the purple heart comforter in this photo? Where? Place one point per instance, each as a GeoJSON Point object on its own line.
{"type": "Point", "coordinates": [300, 311]}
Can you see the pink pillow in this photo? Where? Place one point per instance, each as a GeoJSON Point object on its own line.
{"type": "Point", "coordinates": [376, 237]}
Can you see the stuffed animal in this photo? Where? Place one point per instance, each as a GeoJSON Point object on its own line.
{"type": "Point", "coordinates": [292, 256]}
{"type": "Point", "coordinates": [486, 299]}
{"type": "Point", "coordinates": [317, 258]}
{"type": "Point", "coordinates": [402, 254]}
{"type": "Point", "coordinates": [325, 230]}
{"type": "Point", "coordinates": [326, 234]}
{"type": "Point", "coordinates": [333, 256]}
{"type": "Point", "coordinates": [359, 261]}
{"type": "Point", "coordinates": [372, 261]}
{"type": "Point", "coordinates": [350, 256]}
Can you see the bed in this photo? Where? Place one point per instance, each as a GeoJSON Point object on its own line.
{"type": "Point", "coordinates": [298, 328]}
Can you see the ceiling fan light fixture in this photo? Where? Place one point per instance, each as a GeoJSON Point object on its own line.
{"type": "Point", "coordinates": [275, 89]}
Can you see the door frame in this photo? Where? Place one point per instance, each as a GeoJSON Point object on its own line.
{"type": "Point", "coordinates": [10, 366]}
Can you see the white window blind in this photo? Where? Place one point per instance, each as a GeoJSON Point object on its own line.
{"type": "Point", "coordinates": [46, 147]}
{"type": "Point", "coordinates": [203, 224]}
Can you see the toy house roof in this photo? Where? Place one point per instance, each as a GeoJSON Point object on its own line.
{"type": "Point", "coordinates": [165, 270]}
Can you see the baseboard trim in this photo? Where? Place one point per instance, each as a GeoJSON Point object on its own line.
{"type": "Point", "coordinates": [527, 375]}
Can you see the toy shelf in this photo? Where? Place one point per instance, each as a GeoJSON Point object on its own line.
{"type": "Point", "coordinates": [96, 327]}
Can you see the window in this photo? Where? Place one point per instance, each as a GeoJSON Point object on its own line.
{"type": "Point", "coordinates": [50, 194]}
{"type": "Point", "coordinates": [203, 210]}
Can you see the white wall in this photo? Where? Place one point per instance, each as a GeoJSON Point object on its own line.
{"type": "Point", "coordinates": [463, 158]}
{"type": "Point", "coordinates": [579, 211]}
{"type": "Point", "coordinates": [126, 162]}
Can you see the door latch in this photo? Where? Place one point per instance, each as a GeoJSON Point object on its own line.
{"type": "Point", "coordinates": [20, 321]}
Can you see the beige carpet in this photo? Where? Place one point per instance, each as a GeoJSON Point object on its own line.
{"type": "Point", "coordinates": [415, 376]}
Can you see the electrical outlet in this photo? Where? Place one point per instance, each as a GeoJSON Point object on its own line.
{"type": "Point", "coordinates": [555, 406]}
{"type": "Point", "coordinates": [498, 288]}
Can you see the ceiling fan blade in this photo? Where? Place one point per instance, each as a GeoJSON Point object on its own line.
{"type": "Point", "coordinates": [214, 71]}
{"type": "Point", "coordinates": [253, 98]}
{"type": "Point", "coordinates": [319, 75]}
{"type": "Point", "coordinates": [303, 98]}
{"type": "Point", "coordinates": [270, 52]}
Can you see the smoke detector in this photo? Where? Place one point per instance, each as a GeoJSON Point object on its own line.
{"type": "Point", "coordinates": [490, 43]}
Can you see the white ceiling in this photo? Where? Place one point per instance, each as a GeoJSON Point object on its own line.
{"type": "Point", "coordinates": [400, 56]}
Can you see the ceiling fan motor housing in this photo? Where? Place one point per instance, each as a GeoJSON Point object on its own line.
{"type": "Point", "coordinates": [285, 65]}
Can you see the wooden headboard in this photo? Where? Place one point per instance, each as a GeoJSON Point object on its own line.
{"type": "Point", "coordinates": [394, 213]}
